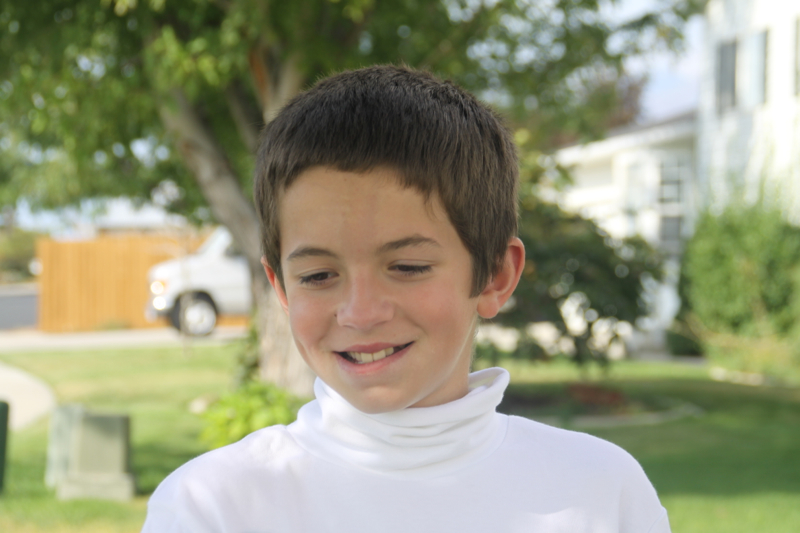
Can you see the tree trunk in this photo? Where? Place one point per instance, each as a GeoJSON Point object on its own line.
{"type": "Point", "coordinates": [280, 362]}
{"type": "Point", "coordinates": [9, 219]}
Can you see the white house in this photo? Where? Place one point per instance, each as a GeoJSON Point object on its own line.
{"type": "Point", "coordinates": [748, 123]}
{"type": "Point", "coordinates": [653, 179]}
{"type": "Point", "coordinates": [640, 181]}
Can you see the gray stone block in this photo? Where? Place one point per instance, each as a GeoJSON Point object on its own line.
{"type": "Point", "coordinates": [89, 455]}
{"type": "Point", "coordinates": [97, 486]}
{"type": "Point", "coordinates": [63, 421]}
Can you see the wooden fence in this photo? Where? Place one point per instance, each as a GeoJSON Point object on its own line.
{"type": "Point", "coordinates": [102, 283]}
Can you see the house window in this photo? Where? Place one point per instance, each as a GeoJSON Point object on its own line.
{"type": "Point", "coordinates": [797, 56]}
{"type": "Point", "coordinates": [637, 194]}
{"type": "Point", "coordinates": [671, 229]}
{"type": "Point", "coordinates": [673, 176]}
{"type": "Point", "coordinates": [757, 50]}
{"type": "Point", "coordinates": [726, 76]}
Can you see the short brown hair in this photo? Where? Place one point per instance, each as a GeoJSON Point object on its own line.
{"type": "Point", "coordinates": [439, 138]}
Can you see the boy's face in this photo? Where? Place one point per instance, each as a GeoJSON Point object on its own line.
{"type": "Point", "coordinates": [372, 271]}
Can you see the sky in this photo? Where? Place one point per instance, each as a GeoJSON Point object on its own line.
{"type": "Point", "coordinates": [673, 88]}
{"type": "Point", "coordinates": [674, 80]}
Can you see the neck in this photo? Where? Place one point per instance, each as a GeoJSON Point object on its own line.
{"type": "Point", "coordinates": [417, 441]}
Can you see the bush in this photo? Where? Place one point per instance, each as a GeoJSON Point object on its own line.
{"type": "Point", "coordinates": [740, 269]}
{"type": "Point", "coordinates": [252, 406]}
{"type": "Point", "coordinates": [248, 356]}
{"type": "Point", "coordinates": [742, 285]}
{"type": "Point", "coordinates": [680, 343]}
{"type": "Point", "coordinates": [17, 250]}
{"type": "Point", "coordinates": [571, 263]}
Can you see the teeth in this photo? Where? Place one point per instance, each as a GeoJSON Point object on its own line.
{"type": "Point", "coordinates": [362, 357]}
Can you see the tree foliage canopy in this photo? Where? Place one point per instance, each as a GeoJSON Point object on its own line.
{"type": "Point", "coordinates": [148, 97]}
{"type": "Point", "coordinates": [82, 82]}
{"type": "Point", "coordinates": [579, 279]}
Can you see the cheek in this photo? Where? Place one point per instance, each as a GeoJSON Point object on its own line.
{"type": "Point", "coordinates": [444, 308]}
{"type": "Point", "coordinates": [307, 318]}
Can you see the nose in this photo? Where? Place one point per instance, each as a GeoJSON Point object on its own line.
{"type": "Point", "coordinates": [365, 305]}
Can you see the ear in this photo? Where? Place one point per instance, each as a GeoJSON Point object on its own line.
{"type": "Point", "coordinates": [276, 285]}
{"type": "Point", "coordinates": [502, 286]}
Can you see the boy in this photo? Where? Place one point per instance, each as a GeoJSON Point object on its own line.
{"type": "Point", "coordinates": [387, 201]}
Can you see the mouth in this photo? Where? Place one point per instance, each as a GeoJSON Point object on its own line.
{"type": "Point", "coordinates": [362, 358]}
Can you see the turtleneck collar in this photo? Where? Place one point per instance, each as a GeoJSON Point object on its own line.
{"type": "Point", "coordinates": [413, 442]}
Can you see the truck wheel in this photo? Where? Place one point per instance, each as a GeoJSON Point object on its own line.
{"type": "Point", "coordinates": [197, 317]}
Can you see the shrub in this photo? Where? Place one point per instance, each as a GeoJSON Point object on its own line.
{"type": "Point", "coordinates": [742, 285]}
{"type": "Point", "coordinates": [17, 249]}
{"type": "Point", "coordinates": [571, 263]}
{"type": "Point", "coordinates": [248, 356]}
{"type": "Point", "coordinates": [680, 343]}
{"type": "Point", "coordinates": [740, 268]}
{"type": "Point", "coordinates": [252, 406]}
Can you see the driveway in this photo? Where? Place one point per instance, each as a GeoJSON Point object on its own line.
{"type": "Point", "coordinates": [18, 305]}
{"type": "Point", "coordinates": [29, 398]}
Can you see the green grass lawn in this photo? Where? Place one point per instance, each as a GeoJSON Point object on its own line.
{"type": "Point", "coordinates": [154, 386]}
{"type": "Point", "coordinates": [734, 469]}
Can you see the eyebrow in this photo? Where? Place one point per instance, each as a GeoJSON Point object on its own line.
{"type": "Point", "coordinates": [413, 240]}
{"type": "Point", "coordinates": [405, 242]}
{"type": "Point", "coordinates": [309, 251]}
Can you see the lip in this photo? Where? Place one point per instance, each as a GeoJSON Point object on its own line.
{"type": "Point", "coordinates": [375, 366]}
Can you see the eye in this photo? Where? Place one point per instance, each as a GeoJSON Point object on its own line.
{"type": "Point", "coordinates": [316, 279]}
{"type": "Point", "coordinates": [411, 270]}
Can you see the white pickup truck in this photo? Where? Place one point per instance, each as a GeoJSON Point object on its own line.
{"type": "Point", "coordinates": [193, 290]}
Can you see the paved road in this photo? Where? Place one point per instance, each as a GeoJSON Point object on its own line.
{"type": "Point", "coordinates": [18, 306]}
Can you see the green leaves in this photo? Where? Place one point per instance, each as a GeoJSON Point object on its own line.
{"type": "Point", "coordinates": [740, 280]}
{"type": "Point", "coordinates": [99, 70]}
{"type": "Point", "coordinates": [741, 270]}
{"type": "Point", "coordinates": [17, 250]}
{"type": "Point", "coordinates": [578, 279]}
{"type": "Point", "coordinates": [252, 406]}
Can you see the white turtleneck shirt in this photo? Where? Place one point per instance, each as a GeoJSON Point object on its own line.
{"type": "Point", "coordinates": [459, 467]}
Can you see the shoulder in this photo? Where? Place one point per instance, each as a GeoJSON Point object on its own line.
{"type": "Point", "coordinates": [202, 488]}
{"type": "Point", "coordinates": [561, 445]}
{"type": "Point", "coordinates": [571, 458]}
{"type": "Point", "coordinates": [587, 471]}
{"type": "Point", "coordinates": [260, 450]}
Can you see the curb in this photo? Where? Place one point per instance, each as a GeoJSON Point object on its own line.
{"type": "Point", "coordinates": [16, 341]}
{"type": "Point", "coordinates": [19, 289]}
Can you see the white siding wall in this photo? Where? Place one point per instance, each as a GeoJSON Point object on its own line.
{"type": "Point", "coordinates": [618, 184]}
{"type": "Point", "coordinates": [618, 181]}
{"type": "Point", "coordinates": [757, 141]}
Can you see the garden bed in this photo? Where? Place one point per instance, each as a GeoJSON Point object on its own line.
{"type": "Point", "coordinates": [585, 405]}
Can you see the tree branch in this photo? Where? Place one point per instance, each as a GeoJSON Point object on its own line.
{"type": "Point", "coordinates": [212, 171]}
{"type": "Point", "coordinates": [290, 81]}
{"type": "Point", "coordinates": [276, 81]}
{"type": "Point", "coordinates": [247, 120]}
{"type": "Point", "coordinates": [260, 73]}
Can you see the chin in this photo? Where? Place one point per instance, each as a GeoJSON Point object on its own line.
{"type": "Point", "coordinates": [375, 405]}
